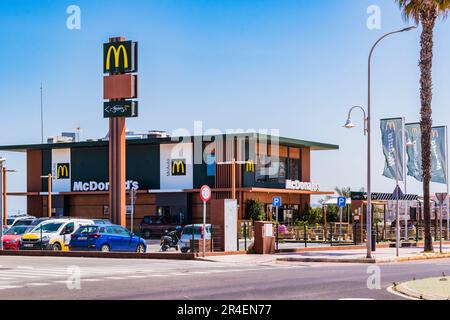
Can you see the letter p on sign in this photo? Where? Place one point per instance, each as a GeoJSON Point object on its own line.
{"type": "Point", "coordinates": [341, 201]}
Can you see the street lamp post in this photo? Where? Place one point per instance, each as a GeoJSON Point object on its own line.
{"type": "Point", "coordinates": [367, 128]}
{"type": "Point", "coordinates": [49, 178]}
{"type": "Point", "coordinates": [4, 193]}
{"type": "Point", "coordinates": [2, 161]}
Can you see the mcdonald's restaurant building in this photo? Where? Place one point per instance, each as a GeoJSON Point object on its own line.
{"type": "Point", "coordinates": [168, 173]}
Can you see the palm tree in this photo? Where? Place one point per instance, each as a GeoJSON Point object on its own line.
{"type": "Point", "coordinates": [426, 13]}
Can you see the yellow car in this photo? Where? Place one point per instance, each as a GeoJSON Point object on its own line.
{"type": "Point", "coordinates": [52, 234]}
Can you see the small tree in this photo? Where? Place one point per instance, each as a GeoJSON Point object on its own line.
{"type": "Point", "coordinates": [254, 210]}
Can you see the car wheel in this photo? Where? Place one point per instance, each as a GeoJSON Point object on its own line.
{"type": "Point", "coordinates": [184, 250]}
{"type": "Point", "coordinates": [105, 248]}
{"type": "Point", "coordinates": [164, 248]}
{"type": "Point", "coordinates": [140, 248]}
{"type": "Point", "coordinates": [56, 247]}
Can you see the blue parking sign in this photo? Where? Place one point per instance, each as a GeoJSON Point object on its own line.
{"type": "Point", "coordinates": [276, 201]}
{"type": "Point", "coordinates": [341, 201]}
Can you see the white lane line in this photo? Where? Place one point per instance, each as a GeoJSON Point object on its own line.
{"type": "Point", "coordinates": [17, 276]}
{"type": "Point", "coordinates": [10, 287]}
{"type": "Point", "coordinates": [178, 274]}
{"type": "Point", "coordinates": [137, 277]}
{"type": "Point", "coordinates": [158, 275]}
{"type": "Point", "coordinates": [115, 278]}
{"type": "Point", "coordinates": [3, 279]}
{"type": "Point", "coordinates": [199, 272]}
{"type": "Point", "coordinates": [38, 284]}
{"type": "Point", "coordinates": [92, 280]}
{"type": "Point", "coordinates": [24, 267]}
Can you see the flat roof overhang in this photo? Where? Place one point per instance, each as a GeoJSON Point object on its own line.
{"type": "Point", "coordinates": [152, 141]}
{"type": "Point", "coordinates": [252, 190]}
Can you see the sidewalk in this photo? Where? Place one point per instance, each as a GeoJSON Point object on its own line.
{"type": "Point", "coordinates": [426, 289]}
{"type": "Point", "coordinates": [381, 255]}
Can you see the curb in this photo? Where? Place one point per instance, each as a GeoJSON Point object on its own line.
{"type": "Point", "coordinates": [365, 260]}
{"type": "Point", "coordinates": [407, 291]}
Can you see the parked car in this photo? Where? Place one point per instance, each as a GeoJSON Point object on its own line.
{"type": "Point", "coordinates": [106, 238]}
{"type": "Point", "coordinates": [193, 231]}
{"type": "Point", "coordinates": [12, 221]}
{"type": "Point", "coordinates": [12, 237]}
{"type": "Point", "coordinates": [53, 234]}
{"type": "Point", "coordinates": [155, 226]}
{"type": "Point", "coordinates": [32, 222]}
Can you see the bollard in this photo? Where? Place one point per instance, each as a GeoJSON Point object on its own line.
{"type": "Point", "coordinates": [245, 236]}
{"type": "Point", "coordinates": [193, 239]}
{"type": "Point", "coordinates": [306, 236]}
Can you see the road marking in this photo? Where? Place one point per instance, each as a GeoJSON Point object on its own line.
{"type": "Point", "coordinates": [137, 277]}
{"type": "Point", "coordinates": [10, 287]}
{"type": "Point", "coordinates": [2, 279]}
{"type": "Point", "coordinates": [92, 280]}
{"type": "Point", "coordinates": [158, 275]}
{"type": "Point", "coordinates": [115, 278]}
{"type": "Point", "coordinates": [38, 284]}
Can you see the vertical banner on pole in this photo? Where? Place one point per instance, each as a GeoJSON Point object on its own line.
{"type": "Point", "coordinates": [205, 196]}
{"type": "Point", "coordinates": [392, 139]}
{"type": "Point", "coordinates": [438, 155]}
{"type": "Point", "coordinates": [414, 150]}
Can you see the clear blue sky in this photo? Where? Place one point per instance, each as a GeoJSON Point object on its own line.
{"type": "Point", "coordinates": [292, 65]}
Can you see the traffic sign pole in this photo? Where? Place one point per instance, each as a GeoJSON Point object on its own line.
{"type": "Point", "coordinates": [276, 223]}
{"type": "Point", "coordinates": [205, 195]}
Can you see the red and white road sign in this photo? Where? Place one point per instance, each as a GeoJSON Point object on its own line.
{"type": "Point", "coordinates": [205, 193]}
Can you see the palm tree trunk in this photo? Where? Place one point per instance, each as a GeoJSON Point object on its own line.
{"type": "Point", "coordinates": [428, 19]}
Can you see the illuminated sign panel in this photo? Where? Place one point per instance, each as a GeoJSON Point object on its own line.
{"type": "Point", "coordinates": [120, 57]}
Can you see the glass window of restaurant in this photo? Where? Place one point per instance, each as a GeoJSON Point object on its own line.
{"type": "Point", "coordinates": [276, 168]}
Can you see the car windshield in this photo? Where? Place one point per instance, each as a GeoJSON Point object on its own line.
{"type": "Point", "coordinates": [9, 221]}
{"type": "Point", "coordinates": [24, 222]}
{"type": "Point", "coordinates": [48, 228]}
{"type": "Point", "coordinates": [17, 231]}
{"type": "Point", "coordinates": [86, 230]}
{"type": "Point", "coordinates": [195, 230]}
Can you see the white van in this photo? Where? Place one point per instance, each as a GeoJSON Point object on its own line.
{"type": "Point", "coordinates": [53, 234]}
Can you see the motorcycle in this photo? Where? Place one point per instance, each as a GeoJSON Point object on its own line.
{"type": "Point", "coordinates": [169, 240]}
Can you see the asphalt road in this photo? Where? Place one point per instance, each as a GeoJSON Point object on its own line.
{"type": "Point", "coordinates": [88, 278]}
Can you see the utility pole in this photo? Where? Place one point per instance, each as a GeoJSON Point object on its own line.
{"type": "Point", "coordinates": [42, 118]}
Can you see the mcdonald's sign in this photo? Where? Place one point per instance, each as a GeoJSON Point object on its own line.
{"type": "Point", "coordinates": [250, 166]}
{"type": "Point", "coordinates": [178, 167]}
{"type": "Point", "coordinates": [63, 171]}
{"type": "Point", "coordinates": [434, 134]}
{"type": "Point", "coordinates": [120, 57]}
{"type": "Point", "coordinates": [390, 125]}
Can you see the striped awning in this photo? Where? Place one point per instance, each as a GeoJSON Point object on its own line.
{"type": "Point", "coordinates": [379, 196]}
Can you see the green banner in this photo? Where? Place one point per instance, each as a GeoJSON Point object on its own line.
{"type": "Point", "coordinates": [438, 155]}
{"type": "Point", "coordinates": [414, 150]}
{"type": "Point", "coordinates": [392, 139]}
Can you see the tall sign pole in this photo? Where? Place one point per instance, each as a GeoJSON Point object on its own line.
{"type": "Point", "coordinates": [119, 62]}
{"type": "Point", "coordinates": [205, 195]}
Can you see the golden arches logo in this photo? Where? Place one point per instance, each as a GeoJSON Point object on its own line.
{"type": "Point", "coordinates": [62, 171]}
{"type": "Point", "coordinates": [250, 166]}
{"type": "Point", "coordinates": [116, 52]}
{"type": "Point", "coordinates": [434, 134]}
{"type": "Point", "coordinates": [179, 167]}
{"type": "Point", "coordinates": [415, 131]}
{"type": "Point", "coordinates": [390, 125]}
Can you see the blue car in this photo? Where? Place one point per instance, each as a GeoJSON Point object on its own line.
{"type": "Point", "coordinates": [106, 238]}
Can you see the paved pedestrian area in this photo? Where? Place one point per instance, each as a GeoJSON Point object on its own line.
{"type": "Point", "coordinates": [360, 255]}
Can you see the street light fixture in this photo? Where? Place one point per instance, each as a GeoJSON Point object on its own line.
{"type": "Point", "coordinates": [367, 130]}
{"type": "Point", "coordinates": [2, 161]}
